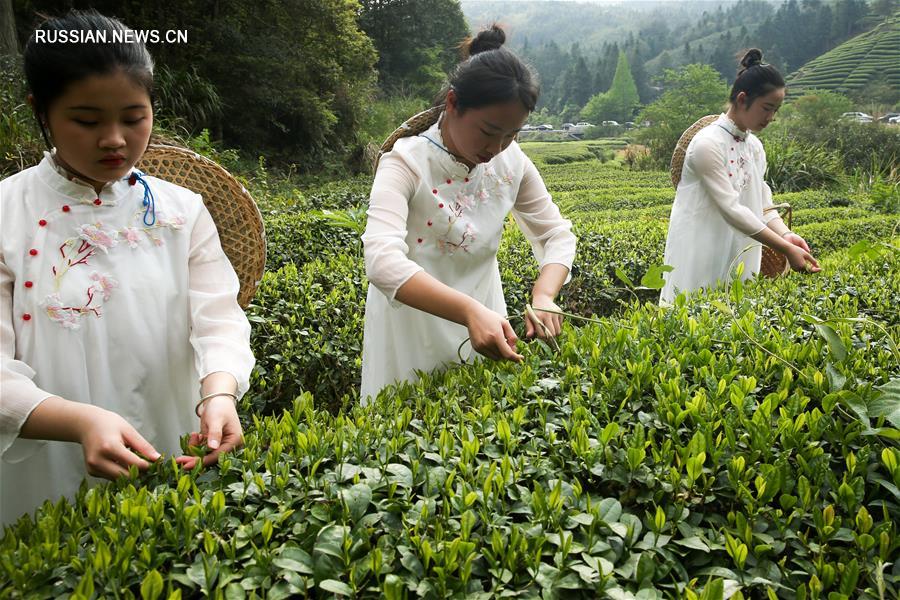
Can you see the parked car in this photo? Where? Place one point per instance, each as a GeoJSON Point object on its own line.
{"type": "Point", "coordinates": [528, 127]}
{"type": "Point", "coordinates": [859, 117]}
{"type": "Point", "coordinates": [580, 127]}
{"type": "Point", "coordinates": [894, 120]}
{"type": "Point", "coordinates": [886, 118]}
{"type": "Point", "coordinates": [610, 123]}
{"type": "Point", "coordinates": [545, 127]}
{"type": "Point", "coordinates": [567, 126]}
{"type": "Point", "coordinates": [630, 125]}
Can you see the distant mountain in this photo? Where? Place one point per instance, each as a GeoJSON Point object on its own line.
{"type": "Point", "coordinates": [589, 24]}
{"type": "Point", "coordinates": [871, 57]}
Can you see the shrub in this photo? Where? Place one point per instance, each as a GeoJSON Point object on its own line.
{"type": "Point", "coordinates": [655, 454]}
{"type": "Point", "coordinates": [794, 166]}
{"type": "Point", "coordinates": [307, 334]}
{"type": "Point", "coordinates": [20, 138]}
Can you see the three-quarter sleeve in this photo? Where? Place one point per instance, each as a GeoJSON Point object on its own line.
{"type": "Point", "coordinates": [385, 250]}
{"type": "Point", "coordinates": [19, 395]}
{"type": "Point", "coordinates": [220, 331]}
{"type": "Point", "coordinates": [550, 235]}
{"type": "Point", "coordinates": [768, 216]}
{"type": "Point", "coordinates": [709, 163]}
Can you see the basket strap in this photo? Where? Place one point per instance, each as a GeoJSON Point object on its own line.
{"type": "Point", "coordinates": [783, 209]}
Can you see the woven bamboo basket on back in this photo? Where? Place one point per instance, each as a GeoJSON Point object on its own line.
{"type": "Point", "coordinates": [773, 264]}
{"type": "Point", "coordinates": [236, 215]}
{"type": "Point", "coordinates": [414, 125]}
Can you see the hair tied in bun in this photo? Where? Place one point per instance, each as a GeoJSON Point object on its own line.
{"type": "Point", "coordinates": [487, 39]}
{"type": "Point", "coordinates": [752, 58]}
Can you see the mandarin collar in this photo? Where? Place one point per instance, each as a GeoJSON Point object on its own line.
{"type": "Point", "coordinates": [436, 144]}
{"type": "Point", "coordinates": [728, 125]}
{"type": "Point", "coordinates": [74, 187]}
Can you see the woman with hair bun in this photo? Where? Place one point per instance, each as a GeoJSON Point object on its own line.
{"type": "Point", "coordinates": [721, 198]}
{"type": "Point", "coordinates": [437, 210]}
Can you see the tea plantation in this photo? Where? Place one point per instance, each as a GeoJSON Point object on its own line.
{"type": "Point", "coordinates": [743, 443]}
{"type": "Point", "coordinates": [869, 56]}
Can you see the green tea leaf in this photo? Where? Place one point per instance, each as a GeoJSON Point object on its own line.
{"type": "Point", "coordinates": [653, 278]}
{"type": "Point", "coordinates": [336, 587]}
{"type": "Point", "coordinates": [357, 498]}
{"type": "Point", "coordinates": [152, 585]}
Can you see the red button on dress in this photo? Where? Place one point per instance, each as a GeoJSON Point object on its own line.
{"type": "Point", "coordinates": [449, 181]}
{"type": "Point", "coordinates": [29, 284]}
{"type": "Point", "coordinates": [33, 252]}
{"type": "Point", "coordinates": [42, 222]}
{"type": "Point", "coordinates": [26, 317]}
{"type": "Point", "coordinates": [66, 208]}
{"type": "Point", "coordinates": [98, 201]}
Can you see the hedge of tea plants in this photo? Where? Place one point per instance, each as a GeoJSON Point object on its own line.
{"type": "Point", "coordinates": [744, 443]}
{"type": "Point", "coordinates": [721, 445]}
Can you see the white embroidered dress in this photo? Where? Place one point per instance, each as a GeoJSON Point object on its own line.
{"type": "Point", "coordinates": [719, 204]}
{"type": "Point", "coordinates": [98, 307]}
{"type": "Point", "coordinates": [429, 212]}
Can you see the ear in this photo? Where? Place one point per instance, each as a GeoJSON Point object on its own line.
{"type": "Point", "coordinates": [741, 99]}
{"type": "Point", "coordinates": [451, 102]}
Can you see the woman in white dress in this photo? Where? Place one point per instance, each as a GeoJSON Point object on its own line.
{"type": "Point", "coordinates": [720, 202]}
{"type": "Point", "coordinates": [118, 308]}
{"type": "Point", "coordinates": [437, 210]}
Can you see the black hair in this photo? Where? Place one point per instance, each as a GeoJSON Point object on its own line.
{"type": "Point", "coordinates": [490, 74]}
{"type": "Point", "coordinates": [755, 78]}
{"type": "Point", "coordinates": [55, 57]}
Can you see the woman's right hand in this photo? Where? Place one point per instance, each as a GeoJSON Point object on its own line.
{"type": "Point", "coordinates": [491, 335]}
{"type": "Point", "coordinates": [802, 260]}
{"type": "Point", "coordinates": [111, 444]}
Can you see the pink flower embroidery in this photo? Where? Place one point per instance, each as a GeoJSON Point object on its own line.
{"type": "Point", "coordinates": [132, 236]}
{"type": "Point", "coordinates": [482, 195]}
{"type": "Point", "coordinates": [465, 201]}
{"type": "Point", "coordinates": [105, 284]}
{"type": "Point", "coordinates": [98, 237]}
{"type": "Point", "coordinates": [57, 312]}
{"type": "Point", "coordinates": [176, 222]}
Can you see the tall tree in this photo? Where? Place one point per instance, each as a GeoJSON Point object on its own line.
{"type": "Point", "coordinates": [619, 102]}
{"type": "Point", "coordinates": [8, 43]}
{"type": "Point", "coordinates": [295, 93]}
{"type": "Point", "coordinates": [417, 41]}
{"type": "Point", "coordinates": [692, 92]}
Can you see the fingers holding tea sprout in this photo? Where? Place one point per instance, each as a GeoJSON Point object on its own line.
{"type": "Point", "coordinates": [543, 319]}
{"type": "Point", "coordinates": [492, 336]}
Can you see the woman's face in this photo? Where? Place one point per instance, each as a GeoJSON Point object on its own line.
{"type": "Point", "coordinates": [479, 134]}
{"type": "Point", "coordinates": [761, 111]}
{"type": "Point", "coordinates": [100, 126]}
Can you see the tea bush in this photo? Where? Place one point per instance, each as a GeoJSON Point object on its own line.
{"type": "Point", "coordinates": [657, 454]}
{"type": "Point", "coordinates": [307, 333]}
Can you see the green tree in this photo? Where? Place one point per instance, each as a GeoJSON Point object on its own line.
{"type": "Point", "coordinates": [417, 42]}
{"type": "Point", "coordinates": [619, 102]}
{"type": "Point", "coordinates": [690, 93]}
{"type": "Point", "coordinates": [815, 109]}
{"type": "Point", "coordinates": [293, 77]}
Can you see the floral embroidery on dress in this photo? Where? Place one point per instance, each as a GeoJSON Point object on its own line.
{"type": "Point", "coordinates": [131, 236]}
{"type": "Point", "coordinates": [98, 237]}
{"type": "Point", "coordinates": [80, 249]}
{"type": "Point", "coordinates": [70, 316]}
{"type": "Point", "coordinates": [460, 233]}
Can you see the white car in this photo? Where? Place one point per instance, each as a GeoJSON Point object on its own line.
{"type": "Point", "coordinates": [859, 117]}
{"type": "Point", "coordinates": [610, 123]}
{"type": "Point", "coordinates": [894, 120]}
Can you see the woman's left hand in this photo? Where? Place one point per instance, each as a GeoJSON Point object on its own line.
{"type": "Point", "coordinates": [793, 238]}
{"type": "Point", "coordinates": [220, 430]}
{"type": "Point", "coordinates": [552, 323]}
